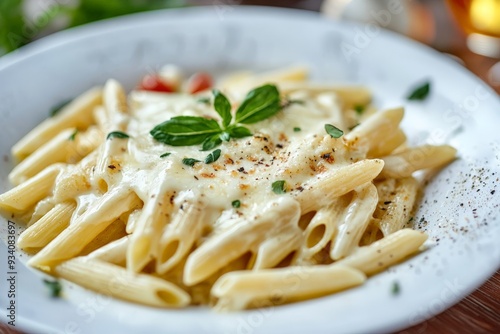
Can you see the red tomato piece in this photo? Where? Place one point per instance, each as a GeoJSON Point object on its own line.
{"type": "Point", "coordinates": [153, 83]}
{"type": "Point", "coordinates": [199, 82]}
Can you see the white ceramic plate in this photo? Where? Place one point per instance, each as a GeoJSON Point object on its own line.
{"type": "Point", "coordinates": [459, 208]}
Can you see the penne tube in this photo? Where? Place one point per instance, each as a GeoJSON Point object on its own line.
{"type": "Point", "coordinates": [404, 163]}
{"type": "Point", "coordinates": [239, 239]}
{"type": "Point", "coordinates": [322, 228]}
{"type": "Point", "coordinates": [77, 114]}
{"type": "Point", "coordinates": [375, 128]}
{"type": "Point", "coordinates": [385, 252]}
{"type": "Point", "coordinates": [115, 231]}
{"type": "Point", "coordinates": [86, 227]}
{"type": "Point", "coordinates": [115, 281]}
{"type": "Point", "coordinates": [336, 183]}
{"type": "Point", "coordinates": [354, 222]}
{"type": "Point", "coordinates": [273, 250]}
{"type": "Point", "coordinates": [48, 227]}
{"type": "Point", "coordinates": [180, 235]}
{"type": "Point", "coordinates": [400, 206]}
{"type": "Point", "coordinates": [155, 214]}
{"type": "Point", "coordinates": [350, 96]}
{"type": "Point", "coordinates": [115, 252]}
{"type": "Point", "coordinates": [242, 289]}
{"type": "Point", "coordinates": [25, 195]}
{"type": "Point", "coordinates": [388, 144]}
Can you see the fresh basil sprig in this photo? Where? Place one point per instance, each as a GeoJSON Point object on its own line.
{"type": "Point", "coordinates": [259, 104]}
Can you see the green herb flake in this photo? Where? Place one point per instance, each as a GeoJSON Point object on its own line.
{"type": "Point", "coordinates": [333, 131]}
{"type": "Point", "coordinates": [236, 204]}
{"type": "Point", "coordinates": [189, 161]}
{"type": "Point", "coordinates": [395, 289]}
{"type": "Point", "coordinates": [359, 109]}
{"type": "Point", "coordinates": [213, 157]}
{"type": "Point", "coordinates": [297, 129]}
{"type": "Point", "coordinates": [279, 187]}
{"type": "Point", "coordinates": [164, 155]}
{"type": "Point", "coordinates": [117, 134]}
{"type": "Point", "coordinates": [420, 93]}
{"type": "Point", "coordinates": [57, 108]}
{"type": "Point", "coordinates": [73, 136]}
{"type": "Point", "coordinates": [205, 100]}
{"type": "Point", "coordinates": [54, 287]}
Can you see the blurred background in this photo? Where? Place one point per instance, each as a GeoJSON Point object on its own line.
{"type": "Point", "coordinates": [467, 30]}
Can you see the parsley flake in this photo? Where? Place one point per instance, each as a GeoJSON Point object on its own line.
{"type": "Point", "coordinates": [164, 155]}
{"type": "Point", "coordinates": [236, 204]}
{"type": "Point", "coordinates": [189, 161]}
{"type": "Point", "coordinates": [54, 287]}
{"type": "Point", "coordinates": [73, 136]}
{"type": "Point", "coordinates": [279, 187]}
{"type": "Point", "coordinates": [213, 157]}
{"type": "Point", "coordinates": [333, 131]}
{"type": "Point", "coordinates": [395, 289]}
{"type": "Point", "coordinates": [117, 134]}
{"type": "Point", "coordinates": [420, 93]}
{"type": "Point", "coordinates": [297, 129]}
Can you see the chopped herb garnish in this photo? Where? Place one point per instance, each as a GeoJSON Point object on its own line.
{"type": "Point", "coordinates": [117, 134]}
{"type": "Point", "coordinates": [236, 204]}
{"type": "Point", "coordinates": [333, 131]}
{"type": "Point", "coordinates": [395, 290]}
{"type": "Point", "coordinates": [54, 287]}
{"type": "Point", "coordinates": [420, 93]}
{"type": "Point", "coordinates": [352, 127]}
{"type": "Point", "coordinates": [189, 161]}
{"type": "Point", "coordinates": [164, 155]}
{"type": "Point", "coordinates": [297, 129]}
{"type": "Point", "coordinates": [73, 136]}
{"type": "Point", "coordinates": [359, 109]}
{"type": "Point", "coordinates": [279, 187]}
{"type": "Point", "coordinates": [205, 100]}
{"type": "Point", "coordinates": [57, 108]}
{"type": "Point", "coordinates": [259, 104]}
{"type": "Point", "coordinates": [212, 157]}
{"type": "Point", "coordinates": [288, 103]}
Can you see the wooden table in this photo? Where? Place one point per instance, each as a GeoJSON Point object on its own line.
{"type": "Point", "coordinates": [480, 311]}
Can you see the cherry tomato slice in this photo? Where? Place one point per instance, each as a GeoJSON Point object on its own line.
{"type": "Point", "coordinates": [155, 84]}
{"type": "Point", "coordinates": [199, 82]}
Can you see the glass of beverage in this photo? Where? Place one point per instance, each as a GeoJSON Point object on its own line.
{"type": "Point", "coordinates": [480, 20]}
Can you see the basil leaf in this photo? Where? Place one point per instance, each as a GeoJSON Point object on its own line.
{"type": "Point", "coordinates": [117, 134]}
{"type": "Point", "coordinates": [164, 155]}
{"type": "Point", "coordinates": [420, 93]}
{"type": "Point", "coordinates": [279, 187]}
{"type": "Point", "coordinates": [223, 107]}
{"type": "Point", "coordinates": [259, 104]}
{"type": "Point", "coordinates": [211, 142]}
{"type": "Point", "coordinates": [236, 204]}
{"type": "Point", "coordinates": [213, 157]}
{"type": "Point", "coordinates": [54, 287]}
{"type": "Point", "coordinates": [333, 131]}
{"type": "Point", "coordinates": [185, 130]}
{"type": "Point", "coordinates": [189, 161]}
{"type": "Point", "coordinates": [239, 132]}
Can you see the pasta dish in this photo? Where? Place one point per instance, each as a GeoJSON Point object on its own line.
{"type": "Point", "coordinates": [267, 190]}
